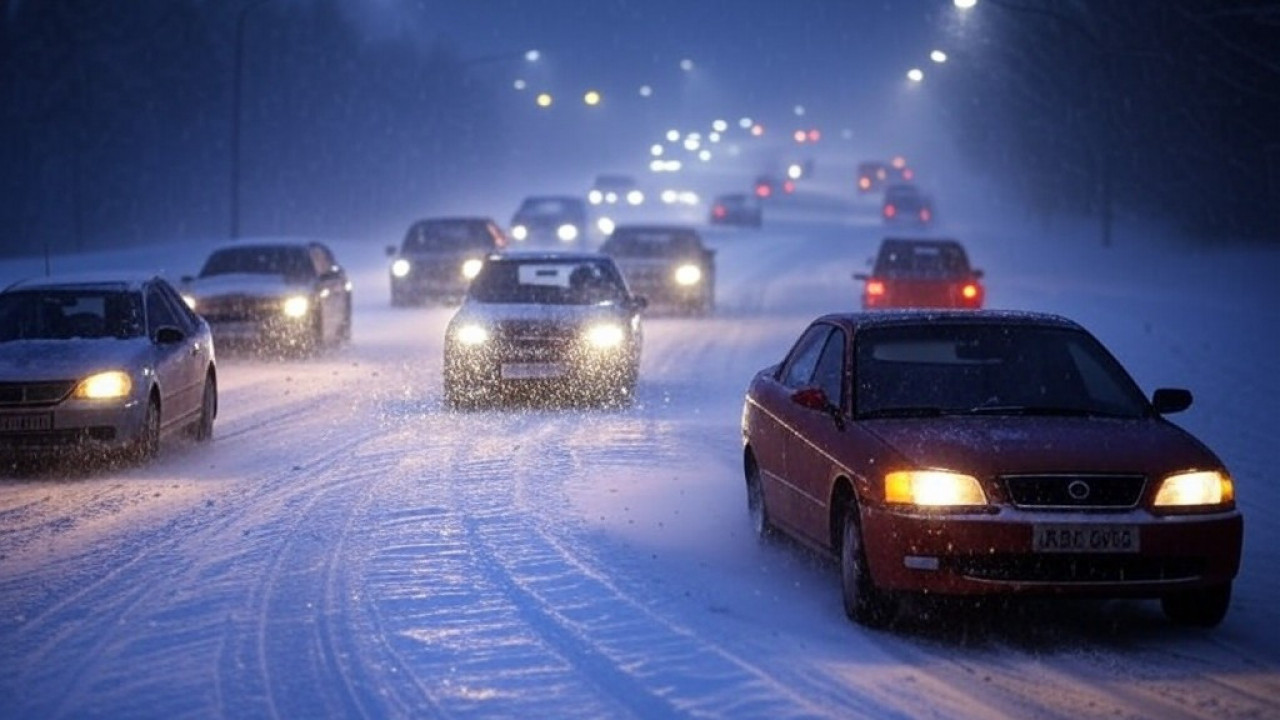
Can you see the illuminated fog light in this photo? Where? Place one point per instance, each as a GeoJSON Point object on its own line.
{"type": "Point", "coordinates": [567, 232]}
{"type": "Point", "coordinates": [401, 268]}
{"type": "Point", "coordinates": [296, 306]}
{"type": "Point", "coordinates": [104, 386]}
{"type": "Point", "coordinates": [604, 337]}
{"type": "Point", "coordinates": [687, 275]}
{"type": "Point", "coordinates": [1194, 489]}
{"type": "Point", "coordinates": [471, 335]}
{"type": "Point", "coordinates": [471, 268]}
{"type": "Point", "coordinates": [519, 232]}
{"type": "Point", "coordinates": [932, 488]}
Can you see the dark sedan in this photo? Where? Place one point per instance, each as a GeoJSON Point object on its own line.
{"type": "Point", "coordinates": [668, 264]}
{"type": "Point", "coordinates": [439, 256]}
{"type": "Point", "coordinates": [981, 453]}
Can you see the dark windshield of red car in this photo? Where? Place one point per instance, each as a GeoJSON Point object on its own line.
{"type": "Point", "coordinates": [990, 368]}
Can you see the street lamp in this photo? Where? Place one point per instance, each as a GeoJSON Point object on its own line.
{"type": "Point", "coordinates": [237, 82]}
{"type": "Point", "coordinates": [965, 4]}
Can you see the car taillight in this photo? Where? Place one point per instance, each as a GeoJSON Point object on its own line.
{"type": "Point", "coordinates": [719, 211]}
{"type": "Point", "coordinates": [969, 291]}
{"type": "Point", "coordinates": [875, 288]}
{"type": "Point", "coordinates": [763, 191]}
{"type": "Point", "coordinates": [925, 215]}
{"type": "Point", "coordinates": [788, 187]}
{"type": "Point", "coordinates": [890, 211]}
{"type": "Point", "coordinates": [864, 183]}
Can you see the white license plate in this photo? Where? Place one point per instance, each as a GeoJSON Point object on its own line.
{"type": "Point", "coordinates": [532, 371]}
{"type": "Point", "coordinates": [26, 422]}
{"type": "Point", "coordinates": [1084, 539]}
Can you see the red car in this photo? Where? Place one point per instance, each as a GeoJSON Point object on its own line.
{"type": "Point", "coordinates": [922, 273]}
{"type": "Point", "coordinates": [986, 453]}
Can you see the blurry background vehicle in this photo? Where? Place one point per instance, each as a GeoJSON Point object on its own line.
{"type": "Point", "coordinates": [283, 296]}
{"type": "Point", "coordinates": [616, 198]}
{"type": "Point", "coordinates": [738, 209]}
{"type": "Point", "coordinates": [667, 264]}
{"type": "Point", "coordinates": [554, 326]}
{"type": "Point", "coordinates": [922, 272]}
{"type": "Point", "coordinates": [905, 204]}
{"type": "Point", "coordinates": [102, 365]}
{"type": "Point", "coordinates": [551, 221]}
{"type": "Point", "coordinates": [439, 256]}
{"type": "Point", "coordinates": [872, 176]}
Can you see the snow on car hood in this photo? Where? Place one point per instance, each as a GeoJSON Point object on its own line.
{"type": "Point", "coordinates": [39, 360]}
{"type": "Point", "coordinates": [243, 284]}
{"type": "Point", "coordinates": [987, 446]}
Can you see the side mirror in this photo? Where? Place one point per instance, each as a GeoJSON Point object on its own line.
{"type": "Point", "coordinates": [169, 335]}
{"type": "Point", "coordinates": [391, 251]}
{"type": "Point", "coordinates": [1170, 400]}
{"type": "Point", "coordinates": [812, 398]}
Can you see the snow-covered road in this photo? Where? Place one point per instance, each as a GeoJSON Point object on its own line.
{"type": "Point", "coordinates": [347, 548]}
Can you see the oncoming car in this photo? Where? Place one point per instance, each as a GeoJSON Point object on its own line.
{"type": "Point", "coordinates": [551, 221]}
{"type": "Point", "coordinates": [923, 273]}
{"type": "Point", "coordinates": [667, 264]}
{"type": "Point", "coordinates": [439, 256]}
{"type": "Point", "coordinates": [557, 325]}
{"type": "Point", "coordinates": [104, 365]}
{"type": "Point", "coordinates": [289, 296]}
{"type": "Point", "coordinates": [986, 453]}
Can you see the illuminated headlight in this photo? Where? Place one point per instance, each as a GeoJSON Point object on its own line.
{"type": "Point", "coordinates": [595, 197]}
{"type": "Point", "coordinates": [471, 268]}
{"type": "Point", "coordinates": [190, 300]}
{"type": "Point", "coordinates": [605, 337]}
{"type": "Point", "coordinates": [635, 197]}
{"type": "Point", "coordinates": [519, 232]}
{"type": "Point", "coordinates": [296, 306]}
{"type": "Point", "coordinates": [932, 488]}
{"type": "Point", "coordinates": [605, 225]}
{"type": "Point", "coordinates": [567, 232]}
{"type": "Point", "coordinates": [401, 268]}
{"type": "Point", "coordinates": [105, 385]}
{"type": "Point", "coordinates": [471, 335]}
{"type": "Point", "coordinates": [670, 197]}
{"type": "Point", "coordinates": [1196, 489]}
{"type": "Point", "coordinates": [688, 275]}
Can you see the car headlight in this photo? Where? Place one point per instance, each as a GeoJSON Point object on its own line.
{"type": "Point", "coordinates": [401, 267]}
{"type": "Point", "coordinates": [605, 336]}
{"type": "Point", "coordinates": [190, 300]}
{"type": "Point", "coordinates": [1196, 489]}
{"type": "Point", "coordinates": [519, 232]}
{"type": "Point", "coordinates": [688, 275]}
{"type": "Point", "coordinates": [567, 232]}
{"type": "Point", "coordinates": [471, 334]}
{"type": "Point", "coordinates": [635, 197]}
{"type": "Point", "coordinates": [105, 385]}
{"type": "Point", "coordinates": [605, 225]}
{"type": "Point", "coordinates": [595, 197]}
{"type": "Point", "coordinates": [296, 306]}
{"type": "Point", "coordinates": [933, 488]}
{"type": "Point", "coordinates": [471, 268]}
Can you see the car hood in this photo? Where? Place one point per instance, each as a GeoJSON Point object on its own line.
{"type": "Point", "coordinates": [40, 360]}
{"type": "Point", "coordinates": [988, 446]}
{"type": "Point", "coordinates": [244, 284]}
{"type": "Point", "coordinates": [567, 314]}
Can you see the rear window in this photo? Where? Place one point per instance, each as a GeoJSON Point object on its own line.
{"type": "Point", "coordinates": [922, 259]}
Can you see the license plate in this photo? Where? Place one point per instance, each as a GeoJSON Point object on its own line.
{"type": "Point", "coordinates": [1084, 539]}
{"type": "Point", "coordinates": [532, 371]}
{"type": "Point", "coordinates": [26, 422]}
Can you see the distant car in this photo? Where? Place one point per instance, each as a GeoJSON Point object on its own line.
{"type": "Point", "coordinates": [906, 204]}
{"type": "Point", "coordinates": [551, 221]}
{"type": "Point", "coordinates": [768, 186]}
{"type": "Point", "coordinates": [986, 453]}
{"type": "Point", "coordinates": [102, 364]}
{"type": "Point", "coordinates": [739, 209]}
{"type": "Point", "coordinates": [922, 273]}
{"type": "Point", "coordinates": [615, 189]}
{"type": "Point", "coordinates": [284, 296]}
{"type": "Point", "coordinates": [667, 264]}
{"type": "Point", "coordinates": [872, 176]}
{"type": "Point", "coordinates": [439, 256]}
{"type": "Point", "coordinates": [554, 325]}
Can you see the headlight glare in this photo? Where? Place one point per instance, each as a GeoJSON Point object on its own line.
{"type": "Point", "coordinates": [190, 300]}
{"type": "Point", "coordinates": [297, 306]}
{"type": "Point", "coordinates": [471, 268]}
{"type": "Point", "coordinates": [605, 225]}
{"type": "Point", "coordinates": [471, 335]}
{"type": "Point", "coordinates": [519, 232]}
{"type": "Point", "coordinates": [567, 232]}
{"type": "Point", "coordinates": [933, 488]}
{"type": "Point", "coordinates": [400, 268]}
{"type": "Point", "coordinates": [105, 385]}
{"type": "Point", "coordinates": [1196, 489]}
{"type": "Point", "coordinates": [688, 275]}
{"type": "Point", "coordinates": [605, 337]}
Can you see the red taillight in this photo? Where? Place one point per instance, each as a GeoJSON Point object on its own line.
{"type": "Point", "coordinates": [763, 190]}
{"type": "Point", "coordinates": [788, 187]}
{"type": "Point", "coordinates": [875, 288]}
{"type": "Point", "coordinates": [719, 211]}
{"type": "Point", "coordinates": [925, 215]}
{"type": "Point", "coordinates": [890, 211]}
{"type": "Point", "coordinates": [908, 173]}
{"type": "Point", "coordinates": [864, 183]}
{"type": "Point", "coordinates": [969, 291]}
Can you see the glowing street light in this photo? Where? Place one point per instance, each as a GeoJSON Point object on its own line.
{"type": "Point", "coordinates": [915, 75]}
{"type": "Point", "coordinates": [686, 65]}
{"type": "Point", "coordinates": [532, 56]}
{"type": "Point", "coordinates": [965, 4]}
{"type": "Point", "coordinates": [543, 100]}
{"type": "Point", "coordinates": [591, 97]}
{"type": "Point", "coordinates": [938, 56]}
{"type": "Point", "coordinates": [646, 91]}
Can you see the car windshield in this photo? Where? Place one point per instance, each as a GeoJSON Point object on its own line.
{"type": "Point", "coordinates": [989, 369]}
{"type": "Point", "coordinates": [548, 282]}
{"type": "Point", "coordinates": [67, 314]}
{"type": "Point", "coordinates": [652, 243]}
{"type": "Point", "coordinates": [921, 259]}
{"type": "Point", "coordinates": [548, 208]}
{"type": "Point", "coordinates": [293, 263]}
{"type": "Point", "coordinates": [447, 237]}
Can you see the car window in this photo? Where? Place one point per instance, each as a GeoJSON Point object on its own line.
{"type": "Point", "coordinates": [797, 371]}
{"type": "Point", "coordinates": [293, 263]}
{"type": "Point", "coordinates": [922, 258]}
{"type": "Point", "coordinates": [651, 243]}
{"type": "Point", "coordinates": [829, 372]}
{"type": "Point", "coordinates": [186, 319]}
{"type": "Point", "coordinates": [159, 313]}
{"type": "Point", "coordinates": [548, 282]}
{"type": "Point", "coordinates": [449, 237]}
{"type": "Point", "coordinates": [65, 314]}
{"type": "Point", "coordinates": [322, 259]}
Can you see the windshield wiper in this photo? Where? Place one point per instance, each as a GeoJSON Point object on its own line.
{"type": "Point", "coordinates": [904, 412]}
{"type": "Point", "coordinates": [1043, 411]}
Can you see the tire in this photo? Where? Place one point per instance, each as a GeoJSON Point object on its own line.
{"type": "Point", "coordinates": [756, 506]}
{"type": "Point", "coordinates": [147, 445]}
{"type": "Point", "coordinates": [202, 428]}
{"type": "Point", "coordinates": [1205, 607]}
{"type": "Point", "coordinates": [864, 603]}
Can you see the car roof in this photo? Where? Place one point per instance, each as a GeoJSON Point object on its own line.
{"type": "Point", "coordinates": [930, 317]}
{"type": "Point", "coordinates": [673, 229]}
{"type": "Point", "coordinates": [548, 255]}
{"type": "Point", "coordinates": [98, 280]}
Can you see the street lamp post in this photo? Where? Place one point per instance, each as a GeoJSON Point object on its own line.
{"type": "Point", "coordinates": [237, 81]}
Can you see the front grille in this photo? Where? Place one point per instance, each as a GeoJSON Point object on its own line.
{"type": "Point", "coordinates": [1083, 569]}
{"type": "Point", "coordinates": [238, 308]}
{"type": "Point", "coordinates": [35, 394]}
{"type": "Point", "coordinates": [1074, 491]}
{"type": "Point", "coordinates": [536, 341]}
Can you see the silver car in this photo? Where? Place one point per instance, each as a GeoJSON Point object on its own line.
{"type": "Point", "coordinates": [102, 364]}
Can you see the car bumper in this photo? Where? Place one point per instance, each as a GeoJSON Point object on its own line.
{"type": "Point", "coordinates": [73, 424]}
{"type": "Point", "coordinates": [274, 331]}
{"type": "Point", "coordinates": [993, 554]}
{"type": "Point", "coordinates": [513, 370]}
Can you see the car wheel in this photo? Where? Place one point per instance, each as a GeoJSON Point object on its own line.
{"type": "Point", "coordinates": [756, 507]}
{"type": "Point", "coordinates": [202, 428]}
{"type": "Point", "coordinates": [147, 445]}
{"type": "Point", "coordinates": [864, 603]}
{"type": "Point", "coordinates": [1205, 607]}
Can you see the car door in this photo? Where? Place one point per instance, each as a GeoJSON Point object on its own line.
{"type": "Point", "coordinates": [812, 446]}
{"type": "Point", "coordinates": [179, 392]}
